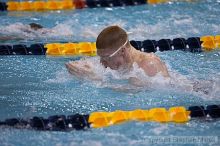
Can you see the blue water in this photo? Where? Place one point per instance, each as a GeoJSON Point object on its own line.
{"type": "Point", "coordinates": [41, 86]}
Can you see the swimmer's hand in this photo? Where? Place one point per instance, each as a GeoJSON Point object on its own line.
{"type": "Point", "coordinates": [81, 70]}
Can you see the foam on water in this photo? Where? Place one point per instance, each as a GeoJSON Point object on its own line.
{"type": "Point", "coordinates": [24, 32]}
{"type": "Point", "coordinates": [61, 77]}
{"type": "Point", "coordinates": [119, 80]}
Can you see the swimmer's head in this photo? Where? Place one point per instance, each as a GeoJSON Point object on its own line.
{"type": "Point", "coordinates": [113, 47]}
{"type": "Point", "coordinates": [35, 26]}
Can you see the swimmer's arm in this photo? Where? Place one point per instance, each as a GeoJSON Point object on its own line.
{"type": "Point", "coordinates": [82, 70]}
{"type": "Point", "coordinates": [136, 82]}
{"type": "Point", "coordinates": [45, 31]}
{"type": "Point", "coordinates": [136, 86]}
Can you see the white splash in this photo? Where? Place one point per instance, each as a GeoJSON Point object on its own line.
{"type": "Point", "coordinates": [24, 31]}
{"type": "Point", "coordinates": [60, 30]}
{"type": "Point", "coordinates": [120, 81]}
{"type": "Point", "coordinates": [60, 77]}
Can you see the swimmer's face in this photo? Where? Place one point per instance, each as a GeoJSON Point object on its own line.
{"type": "Point", "coordinates": [112, 58]}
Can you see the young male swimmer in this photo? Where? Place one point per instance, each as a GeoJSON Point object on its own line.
{"type": "Point", "coordinates": [116, 52]}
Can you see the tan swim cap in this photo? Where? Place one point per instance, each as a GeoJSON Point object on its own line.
{"type": "Point", "coordinates": [111, 37]}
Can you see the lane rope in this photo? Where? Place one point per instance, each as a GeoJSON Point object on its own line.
{"type": "Point", "coordinates": [178, 114]}
{"type": "Point", "coordinates": [42, 5]}
{"type": "Point", "coordinates": [192, 44]}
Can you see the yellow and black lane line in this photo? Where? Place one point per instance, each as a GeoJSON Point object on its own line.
{"type": "Point", "coordinates": [178, 114]}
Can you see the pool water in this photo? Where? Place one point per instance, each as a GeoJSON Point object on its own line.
{"type": "Point", "coordinates": [41, 86]}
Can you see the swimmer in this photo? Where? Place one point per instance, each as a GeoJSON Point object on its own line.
{"type": "Point", "coordinates": [116, 52]}
{"type": "Point", "coordinates": [31, 28]}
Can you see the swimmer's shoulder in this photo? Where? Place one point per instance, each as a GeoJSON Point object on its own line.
{"type": "Point", "coordinates": [143, 56]}
{"type": "Point", "coordinates": [152, 64]}
{"type": "Point", "coordinates": [144, 61]}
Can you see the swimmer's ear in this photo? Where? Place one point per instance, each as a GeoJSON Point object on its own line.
{"type": "Point", "coordinates": [123, 50]}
